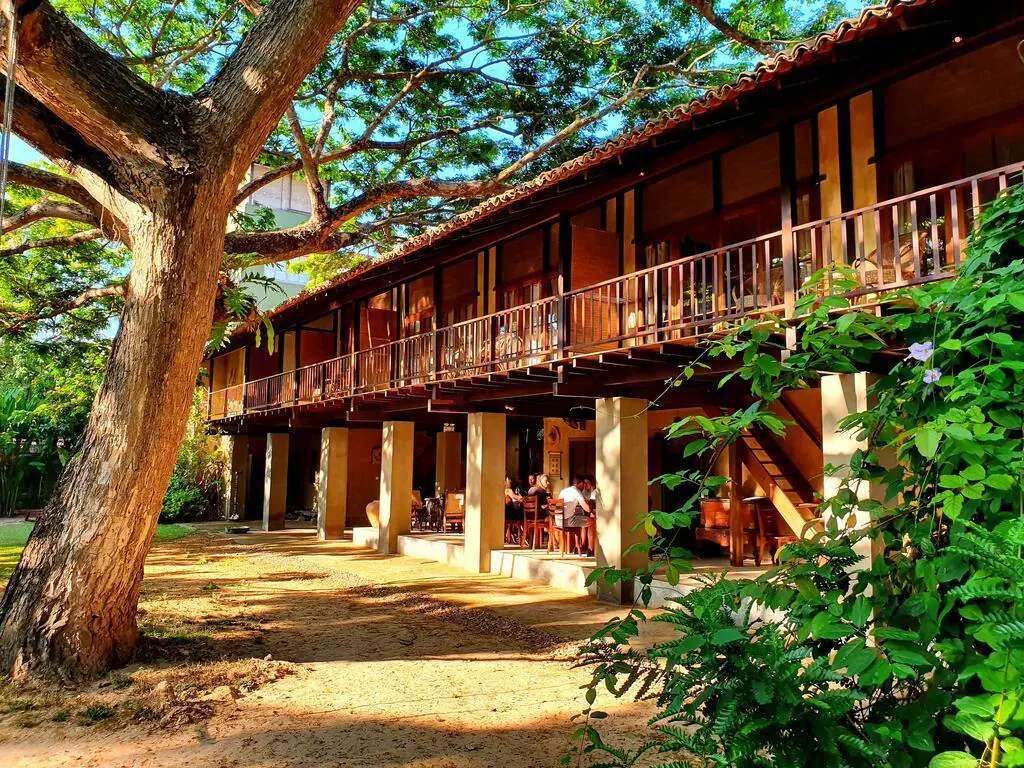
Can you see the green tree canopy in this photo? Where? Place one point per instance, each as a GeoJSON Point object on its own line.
{"type": "Point", "coordinates": [417, 110]}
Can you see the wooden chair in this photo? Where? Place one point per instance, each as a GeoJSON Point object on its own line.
{"type": "Point", "coordinates": [417, 516]}
{"type": "Point", "coordinates": [535, 523]}
{"type": "Point", "coordinates": [569, 536]}
{"type": "Point", "coordinates": [771, 532]}
{"type": "Point", "coordinates": [454, 511]}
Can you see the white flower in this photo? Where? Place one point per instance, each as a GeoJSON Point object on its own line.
{"type": "Point", "coordinates": [932, 375]}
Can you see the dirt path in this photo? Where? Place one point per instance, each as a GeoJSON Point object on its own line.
{"type": "Point", "coordinates": [277, 650]}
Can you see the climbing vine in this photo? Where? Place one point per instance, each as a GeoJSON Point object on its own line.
{"type": "Point", "coordinates": [912, 657]}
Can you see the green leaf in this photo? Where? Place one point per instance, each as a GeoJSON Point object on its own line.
{"type": "Point", "coordinates": [824, 626]}
{"type": "Point", "coordinates": [1000, 482]}
{"type": "Point", "coordinates": [727, 635]}
{"type": "Point", "coordinates": [927, 442]}
{"type": "Point", "coordinates": [973, 472]}
{"type": "Point", "coordinates": [953, 760]}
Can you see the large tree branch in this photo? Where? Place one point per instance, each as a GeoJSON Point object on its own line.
{"type": "Point", "coordinates": [37, 178]}
{"type": "Point", "coordinates": [48, 209]}
{"type": "Point", "coordinates": [398, 146]}
{"type": "Point", "coordinates": [12, 322]}
{"type": "Point", "coordinates": [314, 186]}
{"type": "Point", "coordinates": [706, 8]}
{"type": "Point", "coordinates": [44, 130]}
{"type": "Point", "coordinates": [64, 241]}
{"type": "Point", "coordinates": [321, 237]}
{"type": "Point", "coordinates": [98, 96]}
{"type": "Point", "coordinates": [246, 99]}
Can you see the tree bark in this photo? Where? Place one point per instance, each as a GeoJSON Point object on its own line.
{"type": "Point", "coordinates": [166, 166]}
{"type": "Point", "coordinates": [69, 610]}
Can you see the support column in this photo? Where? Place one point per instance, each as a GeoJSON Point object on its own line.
{"type": "Point", "coordinates": [622, 481]}
{"type": "Point", "coordinates": [448, 462]}
{"type": "Point", "coordinates": [841, 395]}
{"type": "Point", "coordinates": [237, 486]}
{"type": "Point", "coordinates": [332, 484]}
{"type": "Point", "coordinates": [275, 481]}
{"type": "Point", "coordinates": [485, 489]}
{"type": "Point", "coordinates": [395, 484]}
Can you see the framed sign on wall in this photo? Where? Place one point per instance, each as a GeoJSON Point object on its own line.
{"type": "Point", "coordinates": [555, 464]}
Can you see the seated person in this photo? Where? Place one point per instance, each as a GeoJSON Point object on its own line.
{"type": "Point", "coordinates": [541, 488]}
{"type": "Point", "coordinates": [591, 491]}
{"type": "Point", "coordinates": [513, 500]}
{"type": "Point", "coordinates": [576, 494]}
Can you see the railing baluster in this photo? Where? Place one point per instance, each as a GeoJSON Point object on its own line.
{"type": "Point", "coordinates": [896, 261]}
{"type": "Point", "coordinates": [914, 244]}
{"type": "Point", "coordinates": [876, 224]}
{"type": "Point", "coordinates": [975, 204]}
{"type": "Point", "coordinates": [954, 216]}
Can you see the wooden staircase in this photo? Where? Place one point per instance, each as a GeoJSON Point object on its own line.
{"type": "Point", "coordinates": [782, 483]}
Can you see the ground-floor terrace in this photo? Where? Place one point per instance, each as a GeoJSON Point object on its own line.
{"type": "Point", "coordinates": [406, 475]}
{"type": "Point", "coordinates": [276, 649]}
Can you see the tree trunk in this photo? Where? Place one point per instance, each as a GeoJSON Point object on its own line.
{"type": "Point", "coordinates": [69, 610]}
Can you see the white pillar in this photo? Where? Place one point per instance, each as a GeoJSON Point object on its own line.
{"type": "Point", "coordinates": [332, 485]}
{"type": "Point", "coordinates": [841, 395]}
{"type": "Point", "coordinates": [621, 431]}
{"type": "Point", "coordinates": [237, 486]}
{"type": "Point", "coordinates": [395, 484]}
{"type": "Point", "coordinates": [275, 481]}
{"type": "Point", "coordinates": [485, 489]}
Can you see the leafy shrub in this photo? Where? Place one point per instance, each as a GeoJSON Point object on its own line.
{"type": "Point", "coordinates": [45, 393]}
{"type": "Point", "coordinates": [196, 489]}
{"type": "Point", "coordinates": [914, 659]}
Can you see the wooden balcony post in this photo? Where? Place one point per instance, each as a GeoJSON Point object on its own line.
{"type": "Point", "coordinates": [435, 340]}
{"type": "Point", "coordinates": [492, 333]}
{"type": "Point", "coordinates": [787, 174]}
{"type": "Point", "coordinates": [397, 356]}
{"type": "Point", "coordinates": [562, 319]}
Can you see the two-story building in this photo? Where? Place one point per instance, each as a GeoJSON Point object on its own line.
{"type": "Point", "coordinates": [535, 332]}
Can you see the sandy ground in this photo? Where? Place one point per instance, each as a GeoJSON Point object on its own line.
{"type": "Point", "coordinates": [278, 650]}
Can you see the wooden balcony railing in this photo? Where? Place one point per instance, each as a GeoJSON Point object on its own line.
{"type": "Point", "coordinates": [679, 298]}
{"type": "Point", "coordinates": [896, 243]}
{"type": "Point", "coordinates": [512, 338]}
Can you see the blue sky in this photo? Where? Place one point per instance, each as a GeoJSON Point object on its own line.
{"type": "Point", "coordinates": [22, 152]}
